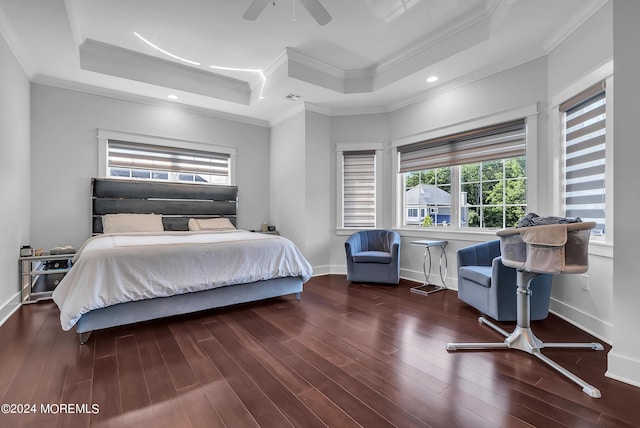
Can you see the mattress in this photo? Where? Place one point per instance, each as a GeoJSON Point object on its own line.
{"type": "Point", "coordinates": [117, 268]}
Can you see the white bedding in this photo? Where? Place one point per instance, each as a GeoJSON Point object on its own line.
{"type": "Point", "coordinates": [116, 268]}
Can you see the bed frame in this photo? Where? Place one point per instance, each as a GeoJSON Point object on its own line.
{"type": "Point", "coordinates": [177, 202]}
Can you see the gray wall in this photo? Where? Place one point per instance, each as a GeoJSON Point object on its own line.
{"type": "Point", "coordinates": [301, 195]}
{"type": "Point", "coordinates": [584, 51]}
{"type": "Point", "coordinates": [318, 191]}
{"type": "Point", "coordinates": [65, 156]}
{"type": "Point", "coordinates": [361, 129]}
{"type": "Point", "coordinates": [14, 173]}
{"type": "Point", "coordinates": [287, 178]}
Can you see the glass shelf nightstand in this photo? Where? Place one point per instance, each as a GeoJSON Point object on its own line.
{"type": "Point", "coordinates": [40, 275]}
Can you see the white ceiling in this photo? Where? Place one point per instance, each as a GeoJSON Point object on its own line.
{"type": "Point", "coordinates": [373, 56]}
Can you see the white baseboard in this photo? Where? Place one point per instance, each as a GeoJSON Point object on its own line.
{"type": "Point", "coordinates": [337, 270]}
{"type": "Point", "coordinates": [584, 321]}
{"type": "Point", "coordinates": [411, 275]}
{"type": "Point", "coordinates": [622, 368]}
{"type": "Point", "coordinates": [321, 270]}
{"type": "Point", "coordinates": [9, 307]}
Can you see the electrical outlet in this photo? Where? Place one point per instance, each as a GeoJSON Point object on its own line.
{"type": "Point", "coordinates": [585, 283]}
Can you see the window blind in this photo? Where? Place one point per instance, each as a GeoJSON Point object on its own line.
{"type": "Point", "coordinates": [123, 154]}
{"type": "Point", "coordinates": [359, 189]}
{"type": "Point", "coordinates": [584, 123]}
{"type": "Point", "coordinates": [500, 141]}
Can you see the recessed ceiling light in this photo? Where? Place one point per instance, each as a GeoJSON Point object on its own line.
{"type": "Point", "coordinates": [432, 79]}
{"type": "Point", "coordinates": [172, 97]}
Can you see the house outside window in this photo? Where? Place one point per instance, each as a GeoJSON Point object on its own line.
{"type": "Point", "coordinates": [428, 191]}
{"type": "Point", "coordinates": [474, 179]}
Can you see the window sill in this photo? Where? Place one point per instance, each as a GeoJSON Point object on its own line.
{"type": "Point", "coordinates": [601, 248]}
{"type": "Point", "coordinates": [447, 233]}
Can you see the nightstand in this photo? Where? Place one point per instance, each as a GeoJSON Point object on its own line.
{"type": "Point", "coordinates": [40, 275]}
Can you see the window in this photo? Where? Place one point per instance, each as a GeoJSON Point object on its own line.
{"type": "Point", "coordinates": [584, 118]}
{"type": "Point", "coordinates": [494, 193]}
{"type": "Point", "coordinates": [151, 162]}
{"type": "Point", "coordinates": [430, 192]}
{"type": "Point", "coordinates": [359, 189]}
{"type": "Point", "coordinates": [470, 179]}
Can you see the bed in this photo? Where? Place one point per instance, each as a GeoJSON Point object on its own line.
{"type": "Point", "coordinates": [122, 276]}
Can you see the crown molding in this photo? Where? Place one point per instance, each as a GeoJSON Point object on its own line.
{"type": "Point", "coordinates": [298, 57]}
{"type": "Point", "coordinates": [572, 25]}
{"type": "Point", "coordinates": [276, 63]}
{"type": "Point", "coordinates": [356, 111]}
{"type": "Point", "coordinates": [141, 99]}
{"type": "Point", "coordinates": [438, 36]}
{"type": "Point", "coordinates": [317, 109]}
{"type": "Point", "coordinates": [297, 109]}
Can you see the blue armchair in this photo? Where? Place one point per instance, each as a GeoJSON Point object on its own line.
{"type": "Point", "coordinates": [373, 256]}
{"type": "Point", "coordinates": [490, 287]}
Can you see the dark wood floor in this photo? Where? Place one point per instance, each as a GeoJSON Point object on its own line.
{"type": "Point", "coordinates": [345, 355]}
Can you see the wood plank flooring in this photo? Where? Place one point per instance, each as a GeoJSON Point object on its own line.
{"type": "Point", "coordinates": [346, 355]}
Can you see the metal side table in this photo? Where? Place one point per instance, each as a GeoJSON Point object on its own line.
{"type": "Point", "coordinates": [428, 287]}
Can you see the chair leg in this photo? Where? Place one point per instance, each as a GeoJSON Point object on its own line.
{"type": "Point", "coordinates": [523, 339]}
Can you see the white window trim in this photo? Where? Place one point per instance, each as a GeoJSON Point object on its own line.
{"type": "Point", "coordinates": [605, 72]}
{"type": "Point", "coordinates": [529, 112]}
{"type": "Point", "coordinates": [104, 135]}
{"type": "Point", "coordinates": [353, 147]}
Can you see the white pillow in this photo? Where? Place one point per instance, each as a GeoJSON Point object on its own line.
{"type": "Point", "coordinates": [222, 223]}
{"type": "Point", "coordinates": [123, 223]}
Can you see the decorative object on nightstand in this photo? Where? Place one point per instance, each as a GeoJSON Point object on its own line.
{"type": "Point", "coordinates": [41, 274]}
{"type": "Point", "coordinates": [68, 249]}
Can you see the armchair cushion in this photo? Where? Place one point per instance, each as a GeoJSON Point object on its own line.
{"type": "Point", "coordinates": [372, 257]}
{"type": "Point", "coordinates": [478, 274]}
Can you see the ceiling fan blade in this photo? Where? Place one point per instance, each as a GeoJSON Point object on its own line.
{"type": "Point", "coordinates": [316, 10]}
{"type": "Point", "coordinates": [255, 9]}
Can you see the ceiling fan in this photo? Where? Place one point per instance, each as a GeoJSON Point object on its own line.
{"type": "Point", "coordinates": [314, 7]}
